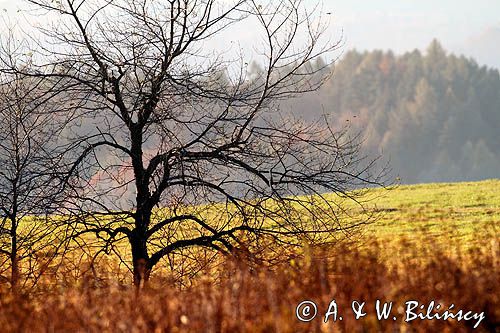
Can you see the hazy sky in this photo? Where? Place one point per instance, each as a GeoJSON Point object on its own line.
{"type": "Point", "coordinates": [396, 24]}
{"type": "Point", "coordinates": [406, 24]}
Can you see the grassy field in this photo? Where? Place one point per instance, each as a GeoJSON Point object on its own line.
{"type": "Point", "coordinates": [412, 221]}
{"type": "Point", "coordinates": [450, 217]}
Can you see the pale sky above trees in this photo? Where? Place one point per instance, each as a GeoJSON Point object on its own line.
{"type": "Point", "coordinates": [391, 24]}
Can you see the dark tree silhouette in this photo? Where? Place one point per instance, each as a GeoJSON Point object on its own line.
{"type": "Point", "coordinates": [28, 186]}
{"type": "Point", "coordinates": [175, 147]}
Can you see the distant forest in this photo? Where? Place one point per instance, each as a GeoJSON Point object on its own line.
{"type": "Point", "coordinates": [434, 116]}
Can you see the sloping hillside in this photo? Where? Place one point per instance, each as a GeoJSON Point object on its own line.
{"type": "Point", "coordinates": [434, 115]}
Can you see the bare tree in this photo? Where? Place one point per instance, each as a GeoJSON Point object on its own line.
{"type": "Point", "coordinates": [176, 147]}
{"type": "Point", "coordinates": [27, 182]}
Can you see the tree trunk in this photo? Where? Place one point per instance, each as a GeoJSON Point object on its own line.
{"type": "Point", "coordinates": [140, 259]}
{"type": "Point", "coordinates": [14, 259]}
{"type": "Point", "coordinates": [14, 273]}
{"type": "Point", "coordinates": [141, 272]}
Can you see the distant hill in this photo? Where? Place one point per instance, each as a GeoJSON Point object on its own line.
{"type": "Point", "coordinates": [485, 47]}
{"type": "Point", "coordinates": [435, 116]}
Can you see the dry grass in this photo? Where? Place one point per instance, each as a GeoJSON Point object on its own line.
{"type": "Point", "coordinates": [263, 300]}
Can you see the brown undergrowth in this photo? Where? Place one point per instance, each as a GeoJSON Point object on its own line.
{"type": "Point", "coordinates": [245, 299]}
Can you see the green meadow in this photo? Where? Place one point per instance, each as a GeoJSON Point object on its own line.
{"type": "Point", "coordinates": [453, 218]}
{"type": "Point", "coordinates": [406, 221]}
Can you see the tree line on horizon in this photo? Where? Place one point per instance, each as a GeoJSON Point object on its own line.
{"type": "Point", "coordinates": [434, 116]}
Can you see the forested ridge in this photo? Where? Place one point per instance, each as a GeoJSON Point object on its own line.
{"type": "Point", "coordinates": [435, 116]}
